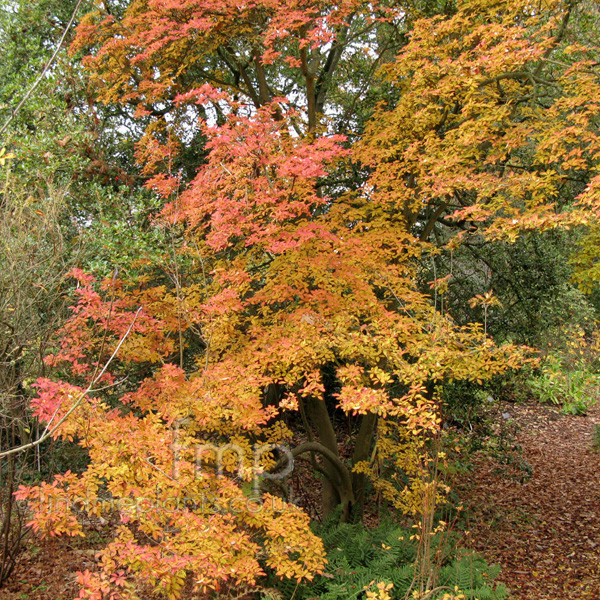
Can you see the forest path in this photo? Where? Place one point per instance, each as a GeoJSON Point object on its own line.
{"type": "Point", "coordinates": [544, 531]}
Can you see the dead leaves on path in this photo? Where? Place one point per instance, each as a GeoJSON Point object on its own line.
{"type": "Point", "coordinates": [544, 531]}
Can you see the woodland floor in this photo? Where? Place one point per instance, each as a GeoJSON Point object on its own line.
{"type": "Point", "coordinates": [542, 528]}
{"type": "Point", "coordinates": [537, 516]}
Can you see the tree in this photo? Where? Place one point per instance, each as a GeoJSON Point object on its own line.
{"type": "Point", "coordinates": [299, 293]}
{"type": "Point", "coordinates": [326, 289]}
{"type": "Point", "coordinates": [496, 128]}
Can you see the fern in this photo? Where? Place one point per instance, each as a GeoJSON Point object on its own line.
{"type": "Point", "coordinates": [358, 556]}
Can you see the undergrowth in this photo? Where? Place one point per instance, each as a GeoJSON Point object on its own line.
{"type": "Point", "coordinates": [359, 558]}
{"type": "Point", "coordinates": [573, 389]}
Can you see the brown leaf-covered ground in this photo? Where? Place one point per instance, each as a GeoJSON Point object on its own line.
{"type": "Point", "coordinates": [48, 569]}
{"type": "Point", "coordinates": [543, 530]}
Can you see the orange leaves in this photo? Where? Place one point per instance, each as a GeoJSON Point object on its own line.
{"type": "Point", "coordinates": [150, 55]}
{"type": "Point", "coordinates": [489, 128]}
{"type": "Point", "coordinates": [52, 505]}
{"type": "Point", "coordinates": [363, 400]}
{"type": "Point", "coordinates": [192, 524]}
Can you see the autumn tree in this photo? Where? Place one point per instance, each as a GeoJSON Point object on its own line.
{"type": "Point", "coordinates": [301, 249]}
{"type": "Point", "coordinates": [494, 138]}
{"type": "Point", "coordinates": [496, 128]}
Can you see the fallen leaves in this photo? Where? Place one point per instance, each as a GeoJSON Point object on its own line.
{"type": "Point", "coordinates": [545, 531]}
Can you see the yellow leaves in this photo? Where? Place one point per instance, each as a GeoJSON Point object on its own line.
{"type": "Point", "coordinates": [174, 585]}
{"type": "Point", "coordinates": [4, 156]}
{"type": "Point", "coordinates": [380, 591]}
{"type": "Point", "coordinates": [456, 595]}
{"type": "Point", "coordinates": [469, 126]}
{"type": "Point", "coordinates": [278, 432]}
{"type": "Point", "coordinates": [379, 376]}
{"type": "Point", "coordinates": [488, 299]}
{"type": "Point", "coordinates": [136, 348]}
{"type": "Point", "coordinates": [401, 451]}
{"type": "Point", "coordinates": [291, 553]}
{"type": "Point", "coordinates": [440, 285]}
{"type": "Point", "coordinates": [585, 260]}
{"type": "Point", "coordinates": [363, 400]}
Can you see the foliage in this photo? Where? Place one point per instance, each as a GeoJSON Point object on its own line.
{"type": "Point", "coordinates": [531, 278]}
{"type": "Point", "coordinates": [575, 390]}
{"type": "Point", "coordinates": [45, 228]}
{"type": "Point", "coordinates": [278, 269]}
{"type": "Point", "coordinates": [465, 406]}
{"type": "Point", "coordinates": [568, 374]}
{"type": "Point", "coordinates": [359, 558]}
{"type": "Point", "coordinates": [404, 470]}
{"type": "Point", "coordinates": [33, 257]}
{"type": "Point", "coordinates": [237, 353]}
{"type": "Point", "coordinates": [478, 140]}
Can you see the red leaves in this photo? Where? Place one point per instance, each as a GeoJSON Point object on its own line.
{"type": "Point", "coordinates": [54, 399]}
{"type": "Point", "coordinates": [99, 323]}
{"type": "Point", "coordinates": [258, 185]}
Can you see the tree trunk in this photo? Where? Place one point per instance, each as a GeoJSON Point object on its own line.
{"type": "Point", "coordinates": [362, 452]}
{"type": "Point", "coordinates": [317, 412]}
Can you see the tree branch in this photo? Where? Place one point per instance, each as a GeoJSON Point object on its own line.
{"type": "Point", "coordinates": [48, 432]}
{"type": "Point", "coordinates": [44, 70]}
{"type": "Point", "coordinates": [333, 59]}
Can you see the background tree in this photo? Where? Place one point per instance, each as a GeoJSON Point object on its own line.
{"type": "Point", "coordinates": [494, 135]}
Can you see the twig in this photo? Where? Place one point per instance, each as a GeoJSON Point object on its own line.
{"type": "Point", "coordinates": [48, 432]}
{"type": "Point", "coordinates": [43, 73]}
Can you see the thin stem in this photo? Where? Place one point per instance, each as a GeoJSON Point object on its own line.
{"type": "Point", "coordinates": [44, 70]}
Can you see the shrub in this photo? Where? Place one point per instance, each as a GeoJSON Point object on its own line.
{"type": "Point", "coordinates": [572, 388]}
